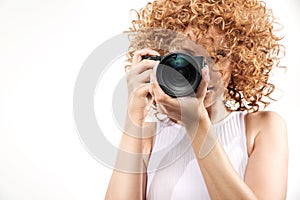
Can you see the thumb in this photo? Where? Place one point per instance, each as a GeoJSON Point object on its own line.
{"type": "Point", "coordinates": [143, 90]}
{"type": "Point", "coordinates": [202, 88]}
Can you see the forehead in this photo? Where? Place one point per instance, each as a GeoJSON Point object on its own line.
{"type": "Point", "coordinates": [213, 38]}
{"type": "Point", "coordinates": [206, 45]}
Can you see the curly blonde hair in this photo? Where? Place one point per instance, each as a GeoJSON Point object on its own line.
{"type": "Point", "coordinates": [248, 31]}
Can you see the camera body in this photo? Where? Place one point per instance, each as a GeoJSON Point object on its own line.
{"type": "Point", "coordinates": [178, 74]}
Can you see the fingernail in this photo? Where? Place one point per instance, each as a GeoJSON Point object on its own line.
{"type": "Point", "coordinates": [151, 78]}
{"type": "Point", "coordinates": [205, 74]}
{"type": "Point", "coordinates": [155, 52]}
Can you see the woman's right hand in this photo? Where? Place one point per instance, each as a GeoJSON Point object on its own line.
{"type": "Point", "coordinates": [138, 83]}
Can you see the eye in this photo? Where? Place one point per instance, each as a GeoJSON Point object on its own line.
{"type": "Point", "coordinates": [221, 53]}
{"type": "Point", "coordinates": [218, 54]}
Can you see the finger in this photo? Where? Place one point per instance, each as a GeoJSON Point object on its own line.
{"type": "Point", "coordinates": [132, 75]}
{"type": "Point", "coordinates": [144, 77]}
{"type": "Point", "coordinates": [161, 97]}
{"type": "Point", "coordinates": [137, 56]}
{"type": "Point", "coordinates": [134, 81]}
{"type": "Point", "coordinates": [143, 66]}
{"type": "Point", "coordinates": [142, 90]}
{"type": "Point", "coordinates": [202, 88]}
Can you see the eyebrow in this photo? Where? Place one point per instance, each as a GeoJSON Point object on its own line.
{"type": "Point", "coordinates": [189, 51]}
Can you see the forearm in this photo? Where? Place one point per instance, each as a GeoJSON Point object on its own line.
{"type": "Point", "coordinates": [128, 178]}
{"type": "Point", "coordinates": [221, 179]}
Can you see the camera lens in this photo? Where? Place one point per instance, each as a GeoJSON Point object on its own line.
{"type": "Point", "coordinates": [179, 74]}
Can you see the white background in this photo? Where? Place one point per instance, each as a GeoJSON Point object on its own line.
{"type": "Point", "coordinates": [43, 44]}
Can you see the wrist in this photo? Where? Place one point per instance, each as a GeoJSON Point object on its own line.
{"type": "Point", "coordinates": [139, 129]}
{"type": "Point", "coordinates": [133, 127]}
{"type": "Point", "coordinates": [198, 127]}
{"type": "Point", "coordinates": [136, 115]}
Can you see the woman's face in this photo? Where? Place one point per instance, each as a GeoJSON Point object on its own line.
{"type": "Point", "coordinates": [217, 85]}
{"type": "Point", "coordinates": [218, 82]}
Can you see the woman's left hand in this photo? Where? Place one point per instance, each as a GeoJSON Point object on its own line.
{"type": "Point", "coordinates": [190, 111]}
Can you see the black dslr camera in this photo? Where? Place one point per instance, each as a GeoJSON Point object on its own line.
{"type": "Point", "coordinates": [178, 74]}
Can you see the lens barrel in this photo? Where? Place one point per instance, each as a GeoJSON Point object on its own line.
{"type": "Point", "coordinates": [178, 74]}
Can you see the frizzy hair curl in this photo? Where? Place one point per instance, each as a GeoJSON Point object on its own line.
{"type": "Point", "coordinates": [249, 39]}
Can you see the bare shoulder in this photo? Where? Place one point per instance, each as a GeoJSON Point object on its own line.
{"type": "Point", "coordinates": [264, 124]}
{"type": "Point", "coordinates": [264, 119]}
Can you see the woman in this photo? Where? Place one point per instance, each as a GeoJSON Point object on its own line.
{"type": "Point", "coordinates": [235, 150]}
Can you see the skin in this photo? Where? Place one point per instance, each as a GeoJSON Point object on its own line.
{"type": "Point", "coordinates": [266, 134]}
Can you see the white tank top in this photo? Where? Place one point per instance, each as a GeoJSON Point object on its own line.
{"type": "Point", "coordinates": [173, 171]}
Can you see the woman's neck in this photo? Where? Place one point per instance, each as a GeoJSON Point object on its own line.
{"type": "Point", "coordinates": [217, 112]}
